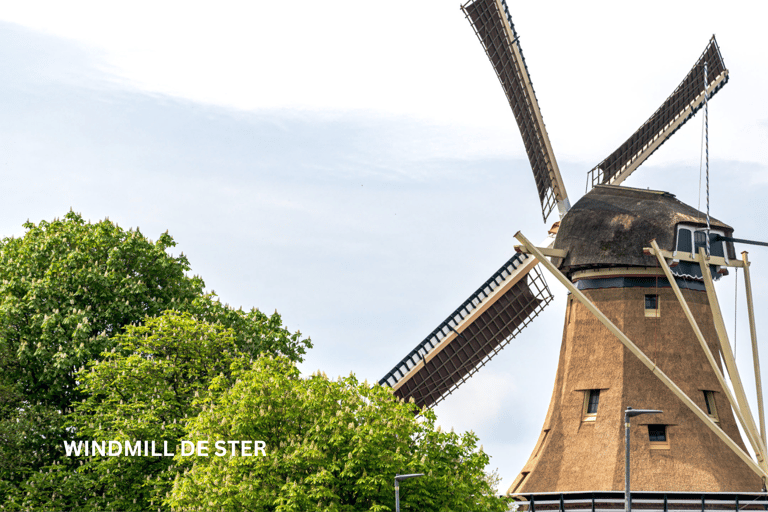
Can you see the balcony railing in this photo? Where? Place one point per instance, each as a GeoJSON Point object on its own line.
{"type": "Point", "coordinates": [667, 502]}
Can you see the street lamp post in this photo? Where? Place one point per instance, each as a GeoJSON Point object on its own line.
{"type": "Point", "coordinates": [397, 487]}
{"type": "Point", "coordinates": [630, 412]}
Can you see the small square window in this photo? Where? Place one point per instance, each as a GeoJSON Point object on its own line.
{"type": "Point", "coordinates": [657, 434]}
{"type": "Point", "coordinates": [711, 407]}
{"type": "Point", "coordinates": [591, 401]}
{"type": "Point", "coordinates": [652, 306]}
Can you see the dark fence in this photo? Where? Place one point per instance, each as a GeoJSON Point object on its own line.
{"type": "Point", "coordinates": [667, 502]}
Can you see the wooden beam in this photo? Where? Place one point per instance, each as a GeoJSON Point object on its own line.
{"type": "Point", "coordinates": [643, 358]}
{"type": "Point", "coordinates": [684, 256]}
{"type": "Point", "coordinates": [755, 355]}
{"type": "Point", "coordinates": [546, 251]}
{"type": "Point", "coordinates": [616, 271]}
{"type": "Point", "coordinates": [725, 347]}
{"type": "Point", "coordinates": [708, 352]}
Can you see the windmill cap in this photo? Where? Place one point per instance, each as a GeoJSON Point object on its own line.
{"type": "Point", "coordinates": [610, 225]}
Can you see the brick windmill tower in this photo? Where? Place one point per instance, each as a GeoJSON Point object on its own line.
{"type": "Point", "coordinates": [643, 327]}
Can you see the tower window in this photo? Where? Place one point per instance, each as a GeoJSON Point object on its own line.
{"type": "Point", "coordinates": [518, 482]}
{"type": "Point", "coordinates": [711, 407]}
{"type": "Point", "coordinates": [684, 240]}
{"type": "Point", "coordinates": [591, 401]}
{"type": "Point", "coordinates": [652, 306]}
{"type": "Point", "coordinates": [657, 434]}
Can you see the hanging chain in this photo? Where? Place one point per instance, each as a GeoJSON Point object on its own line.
{"type": "Point", "coordinates": [706, 145]}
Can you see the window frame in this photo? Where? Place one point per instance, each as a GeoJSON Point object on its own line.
{"type": "Point", "coordinates": [651, 313]}
{"type": "Point", "coordinates": [693, 230]}
{"type": "Point", "coordinates": [710, 405]}
{"type": "Point", "coordinates": [585, 414]}
{"type": "Point", "coordinates": [659, 445]}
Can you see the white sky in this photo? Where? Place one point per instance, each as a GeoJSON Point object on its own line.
{"type": "Point", "coordinates": [354, 165]}
{"type": "Point", "coordinates": [589, 60]}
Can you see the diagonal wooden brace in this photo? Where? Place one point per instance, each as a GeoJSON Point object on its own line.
{"type": "Point", "coordinates": [725, 347]}
{"type": "Point", "coordinates": [756, 445]}
{"type": "Point", "coordinates": [643, 358]}
{"type": "Point", "coordinates": [755, 355]}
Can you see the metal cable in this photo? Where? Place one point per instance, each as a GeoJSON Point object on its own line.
{"type": "Point", "coordinates": [701, 163]}
{"type": "Point", "coordinates": [735, 309]}
{"type": "Point", "coordinates": [706, 145]}
{"type": "Point", "coordinates": [656, 330]}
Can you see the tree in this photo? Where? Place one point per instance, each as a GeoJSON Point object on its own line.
{"type": "Point", "coordinates": [66, 286]}
{"type": "Point", "coordinates": [145, 388]}
{"type": "Point", "coordinates": [330, 445]}
{"type": "Point", "coordinates": [67, 289]}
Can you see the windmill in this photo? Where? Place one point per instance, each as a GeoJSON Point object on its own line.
{"type": "Point", "coordinates": [643, 327]}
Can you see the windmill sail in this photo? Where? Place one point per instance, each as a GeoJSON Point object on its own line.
{"type": "Point", "coordinates": [491, 21]}
{"type": "Point", "coordinates": [681, 105]}
{"type": "Point", "coordinates": [474, 333]}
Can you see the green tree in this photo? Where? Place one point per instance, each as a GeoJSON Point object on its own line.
{"type": "Point", "coordinates": [67, 288]}
{"type": "Point", "coordinates": [330, 445]}
{"type": "Point", "coordinates": [145, 389]}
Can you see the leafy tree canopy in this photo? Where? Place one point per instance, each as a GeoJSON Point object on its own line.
{"type": "Point", "coordinates": [330, 446]}
{"type": "Point", "coordinates": [68, 288]}
{"type": "Point", "coordinates": [146, 388]}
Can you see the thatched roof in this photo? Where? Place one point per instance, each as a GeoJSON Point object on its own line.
{"type": "Point", "coordinates": [610, 225]}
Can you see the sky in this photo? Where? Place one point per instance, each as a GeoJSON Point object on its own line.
{"type": "Point", "coordinates": [355, 165]}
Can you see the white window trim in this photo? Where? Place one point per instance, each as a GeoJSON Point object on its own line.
{"type": "Point", "coordinates": [693, 229]}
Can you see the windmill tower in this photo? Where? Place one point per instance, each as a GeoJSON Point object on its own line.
{"type": "Point", "coordinates": [643, 327]}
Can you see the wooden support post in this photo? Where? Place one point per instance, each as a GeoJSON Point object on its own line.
{"type": "Point", "coordinates": [755, 355]}
{"type": "Point", "coordinates": [643, 358]}
{"type": "Point", "coordinates": [725, 347]}
{"type": "Point", "coordinates": [705, 347]}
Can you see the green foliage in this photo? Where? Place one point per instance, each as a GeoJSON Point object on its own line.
{"type": "Point", "coordinates": [331, 445]}
{"type": "Point", "coordinates": [254, 332]}
{"type": "Point", "coordinates": [66, 286]}
{"type": "Point", "coordinates": [146, 388]}
{"type": "Point", "coordinates": [27, 441]}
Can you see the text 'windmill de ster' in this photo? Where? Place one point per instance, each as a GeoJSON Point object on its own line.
{"type": "Point", "coordinates": [643, 327]}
